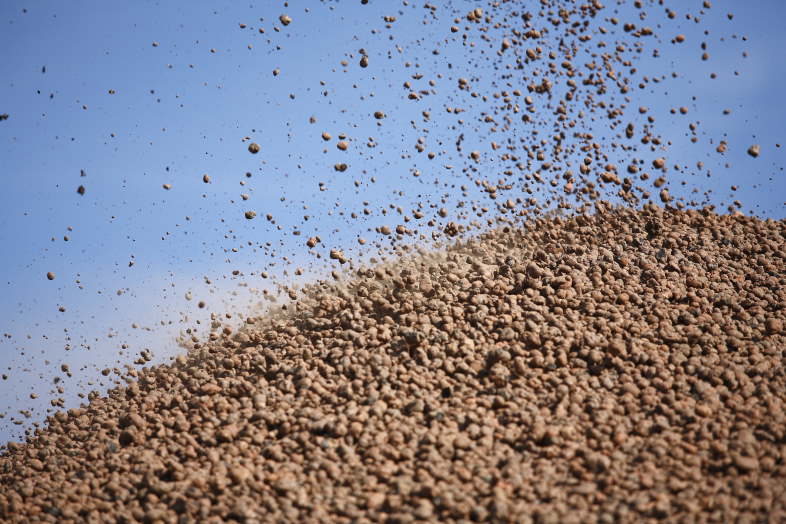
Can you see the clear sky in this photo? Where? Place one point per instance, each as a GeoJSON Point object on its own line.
{"type": "Point", "coordinates": [136, 95]}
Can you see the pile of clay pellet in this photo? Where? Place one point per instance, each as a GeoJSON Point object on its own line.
{"type": "Point", "coordinates": [620, 366]}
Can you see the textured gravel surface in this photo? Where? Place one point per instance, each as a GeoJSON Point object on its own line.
{"type": "Point", "coordinates": [623, 366]}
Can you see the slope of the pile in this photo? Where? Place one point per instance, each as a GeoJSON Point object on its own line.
{"type": "Point", "coordinates": [620, 366]}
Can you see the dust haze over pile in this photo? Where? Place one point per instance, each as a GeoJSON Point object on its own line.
{"type": "Point", "coordinates": [347, 168]}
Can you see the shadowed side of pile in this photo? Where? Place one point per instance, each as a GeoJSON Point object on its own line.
{"type": "Point", "coordinates": [620, 366]}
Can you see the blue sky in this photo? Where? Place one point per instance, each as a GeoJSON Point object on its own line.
{"type": "Point", "coordinates": [182, 109]}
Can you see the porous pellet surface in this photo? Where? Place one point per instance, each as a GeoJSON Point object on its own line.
{"type": "Point", "coordinates": [620, 366]}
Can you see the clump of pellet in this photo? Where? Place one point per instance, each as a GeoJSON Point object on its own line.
{"type": "Point", "coordinates": [621, 366]}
